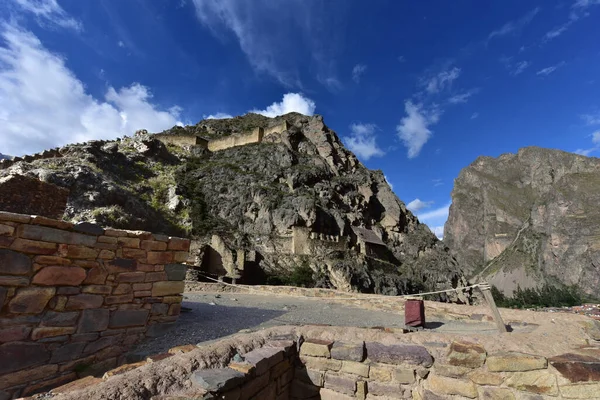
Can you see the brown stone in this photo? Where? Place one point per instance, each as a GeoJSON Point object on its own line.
{"type": "Point", "coordinates": [97, 289]}
{"type": "Point", "coordinates": [466, 354]}
{"type": "Point", "coordinates": [84, 301]}
{"type": "Point", "coordinates": [67, 352]}
{"type": "Point", "coordinates": [106, 254]}
{"type": "Point", "coordinates": [174, 309]}
{"type": "Point", "coordinates": [119, 299]}
{"type": "Point", "coordinates": [51, 331]}
{"type": "Point", "coordinates": [167, 288]}
{"type": "Point", "coordinates": [79, 384]}
{"type": "Point", "coordinates": [316, 348]}
{"type": "Point", "coordinates": [142, 293]}
{"type": "Point", "coordinates": [120, 265]}
{"type": "Point", "coordinates": [13, 263]}
{"type": "Point", "coordinates": [356, 368]}
{"type": "Point", "coordinates": [95, 320]}
{"type": "Point", "coordinates": [87, 263]}
{"type": "Point", "coordinates": [48, 384]}
{"type": "Point", "coordinates": [451, 371]}
{"type": "Point", "coordinates": [33, 247]}
{"type": "Point", "coordinates": [158, 357]}
{"type": "Point", "coordinates": [514, 362]}
{"type": "Point", "coordinates": [28, 375]}
{"type": "Point", "coordinates": [83, 252]}
{"type": "Point", "coordinates": [539, 382]}
{"type": "Point", "coordinates": [115, 232]}
{"type": "Point", "coordinates": [172, 299]}
{"type": "Point", "coordinates": [160, 257]}
{"type": "Point", "coordinates": [53, 318]}
{"type": "Point", "coordinates": [496, 394]}
{"type": "Point", "coordinates": [153, 245]}
{"type": "Point", "coordinates": [45, 234]}
{"type": "Point", "coordinates": [14, 333]}
{"type": "Point", "coordinates": [122, 369]}
{"type": "Point", "coordinates": [6, 230]}
{"type": "Point", "coordinates": [124, 318]}
{"type": "Point", "coordinates": [16, 356]}
{"type": "Point", "coordinates": [59, 276]}
{"type": "Point", "coordinates": [321, 363]}
{"type": "Point", "coordinates": [264, 358]}
{"type": "Point", "coordinates": [58, 303]}
{"type": "Point", "coordinates": [180, 256]}
{"type": "Point", "coordinates": [122, 288]}
{"type": "Point", "coordinates": [348, 351]}
{"type": "Point", "coordinates": [451, 386]}
{"type": "Point", "coordinates": [31, 300]}
{"type": "Point", "coordinates": [131, 277]}
{"type": "Point", "coordinates": [55, 223]}
{"type": "Point", "coordinates": [404, 375]}
{"type": "Point", "coordinates": [243, 367]}
{"type": "Point", "coordinates": [380, 373]}
{"type": "Point", "coordinates": [186, 348]}
{"type": "Point", "coordinates": [133, 243]}
{"type": "Point", "coordinates": [68, 290]}
{"type": "Point", "coordinates": [96, 276]}
{"type": "Point", "coordinates": [398, 354]}
{"type": "Point", "coordinates": [486, 378]}
{"type": "Point", "coordinates": [179, 244]}
{"type": "Point", "coordinates": [385, 390]}
{"type": "Point", "coordinates": [580, 391]}
{"type": "Point", "coordinates": [142, 286]}
{"type": "Point", "coordinates": [156, 276]}
{"type": "Point", "coordinates": [107, 239]}
{"type": "Point", "coordinates": [303, 390]}
{"type": "Point", "coordinates": [138, 254]}
{"type": "Point", "coordinates": [577, 367]}
{"type": "Point", "coordinates": [340, 383]}
{"type": "Point", "coordinates": [14, 281]}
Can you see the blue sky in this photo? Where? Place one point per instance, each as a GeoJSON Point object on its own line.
{"type": "Point", "coordinates": [416, 89]}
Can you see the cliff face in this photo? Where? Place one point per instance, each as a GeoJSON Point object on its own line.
{"type": "Point", "coordinates": [254, 197]}
{"type": "Point", "coordinates": [527, 219]}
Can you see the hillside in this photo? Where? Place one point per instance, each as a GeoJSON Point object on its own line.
{"type": "Point", "coordinates": [270, 209]}
{"type": "Point", "coordinates": [529, 219]}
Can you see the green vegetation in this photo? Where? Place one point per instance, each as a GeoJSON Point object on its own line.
{"type": "Point", "coordinates": [546, 296]}
{"type": "Point", "coordinates": [301, 276]}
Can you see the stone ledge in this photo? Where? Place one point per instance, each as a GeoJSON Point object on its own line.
{"type": "Point", "coordinates": [515, 362]}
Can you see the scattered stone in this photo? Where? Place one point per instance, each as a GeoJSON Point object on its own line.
{"type": "Point", "coordinates": [515, 362]}
{"type": "Point", "coordinates": [466, 354]}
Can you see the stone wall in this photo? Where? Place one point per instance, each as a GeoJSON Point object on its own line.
{"type": "Point", "coordinates": [74, 297]}
{"type": "Point", "coordinates": [181, 140]}
{"type": "Point", "coordinates": [23, 194]}
{"type": "Point", "coordinates": [306, 242]}
{"type": "Point", "coordinates": [236, 140]}
{"type": "Point", "coordinates": [284, 126]}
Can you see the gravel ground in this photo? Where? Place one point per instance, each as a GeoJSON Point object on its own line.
{"type": "Point", "coordinates": [211, 316]}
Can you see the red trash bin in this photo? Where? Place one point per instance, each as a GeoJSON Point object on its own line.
{"type": "Point", "coordinates": [414, 313]}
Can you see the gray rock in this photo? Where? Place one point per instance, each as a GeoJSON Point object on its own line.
{"type": "Point", "coordinates": [176, 272]}
{"type": "Point", "coordinates": [88, 227]}
{"type": "Point", "coordinates": [348, 351]}
{"type": "Point", "coordinates": [217, 380]}
{"type": "Point", "coordinates": [13, 263]}
{"type": "Point", "coordinates": [17, 356]}
{"type": "Point", "coordinates": [398, 354]}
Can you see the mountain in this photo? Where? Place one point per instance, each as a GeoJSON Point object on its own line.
{"type": "Point", "coordinates": [4, 157]}
{"type": "Point", "coordinates": [528, 219]}
{"type": "Point", "coordinates": [263, 198]}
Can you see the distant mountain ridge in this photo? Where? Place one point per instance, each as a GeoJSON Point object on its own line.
{"type": "Point", "coordinates": [528, 219]}
{"type": "Point", "coordinates": [4, 157]}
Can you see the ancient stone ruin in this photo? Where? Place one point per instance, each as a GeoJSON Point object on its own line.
{"type": "Point", "coordinates": [23, 194]}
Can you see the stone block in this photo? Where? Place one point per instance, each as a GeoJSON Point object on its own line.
{"type": "Point", "coordinates": [131, 277]}
{"type": "Point", "coordinates": [3, 294]}
{"type": "Point", "coordinates": [269, 392]}
{"type": "Point", "coordinates": [398, 354]}
{"type": "Point", "coordinates": [68, 290]}
{"type": "Point", "coordinates": [577, 367]}
{"type": "Point", "coordinates": [87, 263]}
{"type": "Point", "coordinates": [316, 348]}
{"type": "Point", "coordinates": [14, 281]}
{"type": "Point", "coordinates": [58, 303]}
{"type": "Point", "coordinates": [171, 299]}
{"type": "Point", "coordinates": [142, 293]}
{"type": "Point", "coordinates": [106, 254]}
{"type": "Point", "coordinates": [489, 393]}
{"type": "Point", "coordinates": [31, 300]}
{"type": "Point", "coordinates": [124, 318]}
{"type": "Point", "coordinates": [515, 362]}
{"type": "Point", "coordinates": [328, 394]}
{"type": "Point", "coordinates": [539, 382]}
{"type": "Point", "coordinates": [53, 318]}
{"type": "Point", "coordinates": [6, 230]}
{"type": "Point", "coordinates": [179, 244]}
{"type": "Point", "coordinates": [160, 257]}
{"type": "Point", "coordinates": [14, 217]}
{"type": "Point", "coordinates": [279, 369]}
{"type": "Point", "coordinates": [16, 356]}
{"type": "Point", "coordinates": [380, 373]}
{"type": "Point", "coordinates": [218, 379]}
{"type": "Point", "coordinates": [93, 320]}
{"type": "Point", "coordinates": [51, 331]}
{"type": "Point", "coordinates": [52, 235]}
{"type": "Point", "coordinates": [14, 333]}
{"type": "Point", "coordinates": [264, 358]}
{"type": "Point", "coordinates": [96, 276]}
{"type": "Point", "coordinates": [84, 301]}
{"type": "Point", "coordinates": [243, 367]}
{"type": "Point", "coordinates": [119, 299]}
{"type": "Point", "coordinates": [174, 309]}
{"type": "Point", "coordinates": [67, 352]}
{"type": "Point", "coordinates": [388, 390]}
{"type": "Point", "coordinates": [156, 276]}
{"type": "Point", "coordinates": [133, 243]}
{"type": "Point", "coordinates": [175, 272]}
{"type": "Point", "coordinates": [348, 351]}
{"type": "Point", "coordinates": [122, 369]}
{"type": "Point", "coordinates": [180, 256]}
{"type": "Point", "coordinates": [120, 265]}
{"type": "Point", "coordinates": [13, 263]}
{"type": "Point", "coordinates": [122, 288]}
{"type": "Point", "coordinates": [167, 288]}
{"type": "Point", "coordinates": [466, 354]}
{"type": "Point", "coordinates": [159, 309]}
{"type": "Point", "coordinates": [153, 245]}
{"type": "Point", "coordinates": [361, 390]}
{"type": "Point", "coordinates": [158, 357]}
{"type": "Point", "coordinates": [311, 376]}
{"type": "Point", "coordinates": [486, 378]}
{"type": "Point", "coordinates": [51, 260]}
{"type": "Point", "coordinates": [138, 254]}
{"type": "Point", "coordinates": [581, 391]}
{"type": "Point", "coordinates": [186, 348]}
{"type": "Point", "coordinates": [83, 252]}
{"type": "Point", "coordinates": [89, 228]}
{"type": "Point", "coordinates": [28, 375]}
{"type": "Point", "coordinates": [321, 363]}
{"type": "Point", "coordinates": [340, 383]}
{"type": "Point", "coordinates": [97, 289]}
{"type": "Point", "coordinates": [451, 386]}
{"type": "Point", "coordinates": [254, 386]}
{"type": "Point", "coordinates": [33, 247]}
{"type": "Point", "coordinates": [60, 276]}
{"type": "Point", "coordinates": [404, 375]}
{"type": "Point", "coordinates": [97, 345]}
{"type": "Point", "coordinates": [142, 286]}
{"type": "Point", "coordinates": [79, 384]}
{"type": "Point", "coordinates": [451, 371]}
{"type": "Point", "coordinates": [48, 384]}
{"type": "Point", "coordinates": [356, 368]}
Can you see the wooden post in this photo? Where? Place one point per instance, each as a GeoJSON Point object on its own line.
{"type": "Point", "coordinates": [487, 294]}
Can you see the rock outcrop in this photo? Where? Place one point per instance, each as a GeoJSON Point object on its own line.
{"type": "Point", "coordinates": [255, 197]}
{"type": "Point", "coordinates": [529, 219]}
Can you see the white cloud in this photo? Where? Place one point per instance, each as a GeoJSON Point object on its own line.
{"type": "Point", "coordinates": [437, 182]}
{"type": "Point", "coordinates": [579, 9]}
{"type": "Point", "coordinates": [275, 35]}
{"type": "Point", "coordinates": [413, 129]}
{"type": "Point", "coordinates": [388, 182]}
{"type": "Point", "coordinates": [474, 115]}
{"type": "Point", "coordinates": [219, 115]}
{"type": "Point", "coordinates": [43, 104]}
{"type": "Point", "coordinates": [417, 205]}
{"type": "Point", "coordinates": [362, 141]}
{"type": "Point", "coordinates": [49, 11]}
{"type": "Point", "coordinates": [585, 3]}
{"type": "Point", "coordinates": [557, 31]}
{"type": "Point", "coordinates": [520, 67]}
{"type": "Point", "coordinates": [591, 119]}
{"type": "Point", "coordinates": [436, 219]}
{"type": "Point", "coordinates": [595, 140]}
{"type": "Point", "coordinates": [121, 44]}
{"type": "Point", "coordinates": [514, 26]}
{"type": "Point", "coordinates": [548, 70]}
{"type": "Point", "coordinates": [463, 97]}
{"type": "Point", "coordinates": [291, 102]}
{"type": "Point", "coordinates": [437, 231]}
{"type": "Point", "coordinates": [442, 80]}
{"type": "Point", "coordinates": [358, 71]}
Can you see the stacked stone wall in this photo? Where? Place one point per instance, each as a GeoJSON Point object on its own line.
{"type": "Point", "coordinates": [255, 136]}
{"type": "Point", "coordinates": [75, 297]}
{"type": "Point", "coordinates": [180, 140]}
{"type": "Point", "coordinates": [23, 194]}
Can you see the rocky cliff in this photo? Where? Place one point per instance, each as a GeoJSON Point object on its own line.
{"type": "Point", "coordinates": [528, 219]}
{"type": "Point", "coordinates": [253, 197]}
{"type": "Point", "coordinates": [4, 157]}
